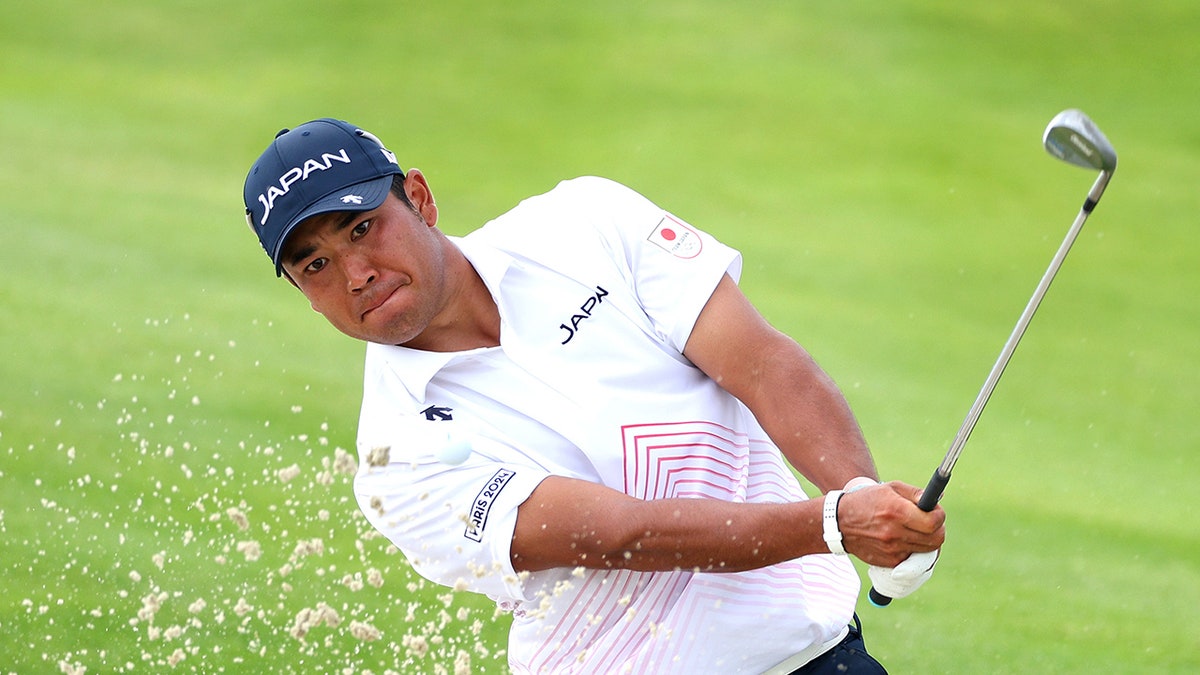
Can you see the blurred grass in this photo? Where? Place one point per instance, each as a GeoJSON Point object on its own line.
{"type": "Point", "coordinates": [878, 164]}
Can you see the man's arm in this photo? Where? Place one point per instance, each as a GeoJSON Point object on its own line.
{"type": "Point", "coordinates": [567, 522]}
{"type": "Point", "coordinates": [796, 403]}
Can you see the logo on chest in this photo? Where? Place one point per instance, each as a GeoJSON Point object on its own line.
{"type": "Point", "coordinates": [573, 325]}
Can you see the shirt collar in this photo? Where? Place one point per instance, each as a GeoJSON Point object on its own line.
{"type": "Point", "coordinates": [414, 368]}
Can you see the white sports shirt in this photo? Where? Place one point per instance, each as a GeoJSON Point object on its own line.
{"type": "Point", "coordinates": [598, 290]}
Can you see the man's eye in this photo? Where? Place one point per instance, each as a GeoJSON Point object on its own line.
{"type": "Point", "coordinates": [315, 266]}
{"type": "Point", "coordinates": [360, 229]}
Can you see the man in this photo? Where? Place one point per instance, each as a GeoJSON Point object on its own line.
{"type": "Point", "coordinates": [575, 411]}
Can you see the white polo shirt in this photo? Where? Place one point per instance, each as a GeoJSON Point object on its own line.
{"type": "Point", "coordinates": [598, 290]}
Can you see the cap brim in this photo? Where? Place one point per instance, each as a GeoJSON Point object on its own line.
{"type": "Point", "coordinates": [362, 196]}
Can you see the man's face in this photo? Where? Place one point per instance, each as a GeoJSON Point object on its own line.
{"type": "Point", "coordinates": [375, 275]}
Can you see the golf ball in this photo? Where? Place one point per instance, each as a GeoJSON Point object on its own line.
{"type": "Point", "coordinates": [455, 451]}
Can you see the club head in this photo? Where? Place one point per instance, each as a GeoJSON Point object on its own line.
{"type": "Point", "coordinates": [1072, 137]}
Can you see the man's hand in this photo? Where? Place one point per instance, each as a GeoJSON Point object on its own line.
{"type": "Point", "coordinates": [882, 526]}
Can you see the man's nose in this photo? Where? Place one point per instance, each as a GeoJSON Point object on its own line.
{"type": "Point", "coordinates": [360, 273]}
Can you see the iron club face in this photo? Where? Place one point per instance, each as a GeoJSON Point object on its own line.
{"type": "Point", "coordinates": [1074, 138]}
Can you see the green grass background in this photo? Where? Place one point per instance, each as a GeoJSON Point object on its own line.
{"type": "Point", "coordinates": [878, 163]}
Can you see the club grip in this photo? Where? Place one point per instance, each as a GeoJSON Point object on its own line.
{"type": "Point", "coordinates": [933, 491]}
{"type": "Point", "coordinates": [928, 502]}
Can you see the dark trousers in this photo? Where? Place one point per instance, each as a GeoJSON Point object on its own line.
{"type": "Point", "coordinates": [848, 657]}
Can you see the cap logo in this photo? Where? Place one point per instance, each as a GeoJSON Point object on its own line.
{"type": "Point", "coordinates": [352, 199]}
{"type": "Point", "coordinates": [296, 174]}
{"type": "Point", "coordinates": [388, 154]}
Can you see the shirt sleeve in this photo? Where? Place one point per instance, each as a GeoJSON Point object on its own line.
{"type": "Point", "coordinates": [454, 523]}
{"type": "Point", "coordinates": [672, 266]}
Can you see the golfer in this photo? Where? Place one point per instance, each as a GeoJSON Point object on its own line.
{"type": "Point", "coordinates": [575, 411]}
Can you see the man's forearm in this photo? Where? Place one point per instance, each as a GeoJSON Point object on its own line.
{"type": "Point", "coordinates": [608, 530]}
{"type": "Point", "coordinates": [810, 420]}
{"type": "Point", "coordinates": [796, 403]}
{"type": "Point", "coordinates": [568, 522]}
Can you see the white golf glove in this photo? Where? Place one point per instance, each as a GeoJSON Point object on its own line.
{"type": "Point", "coordinates": [903, 579]}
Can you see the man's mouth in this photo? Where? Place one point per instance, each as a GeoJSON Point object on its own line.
{"type": "Point", "coordinates": [378, 301]}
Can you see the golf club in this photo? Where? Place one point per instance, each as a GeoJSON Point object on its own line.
{"type": "Point", "coordinates": [1075, 139]}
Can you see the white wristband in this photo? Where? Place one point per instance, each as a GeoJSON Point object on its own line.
{"type": "Point", "coordinates": [856, 484]}
{"type": "Point", "coordinates": [829, 521]}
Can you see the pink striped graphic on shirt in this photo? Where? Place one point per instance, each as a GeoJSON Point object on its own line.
{"type": "Point", "coordinates": [681, 621]}
{"type": "Point", "coordinates": [607, 615]}
{"type": "Point", "coordinates": [704, 459]}
{"type": "Point", "coordinates": [772, 480]}
{"type": "Point", "coordinates": [634, 634]}
{"type": "Point", "coordinates": [700, 453]}
{"type": "Point", "coordinates": [660, 617]}
{"type": "Point", "coordinates": [771, 602]}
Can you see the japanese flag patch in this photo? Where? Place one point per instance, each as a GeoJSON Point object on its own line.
{"type": "Point", "coordinates": [676, 238]}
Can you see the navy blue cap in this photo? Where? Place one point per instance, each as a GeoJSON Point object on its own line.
{"type": "Point", "coordinates": [319, 167]}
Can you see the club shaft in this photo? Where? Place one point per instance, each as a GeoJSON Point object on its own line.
{"type": "Point", "coordinates": [942, 476]}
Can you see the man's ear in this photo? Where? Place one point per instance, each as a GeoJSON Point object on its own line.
{"type": "Point", "coordinates": [420, 196]}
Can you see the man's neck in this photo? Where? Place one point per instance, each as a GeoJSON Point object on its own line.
{"type": "Point", "coordinates": [471, 320]}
